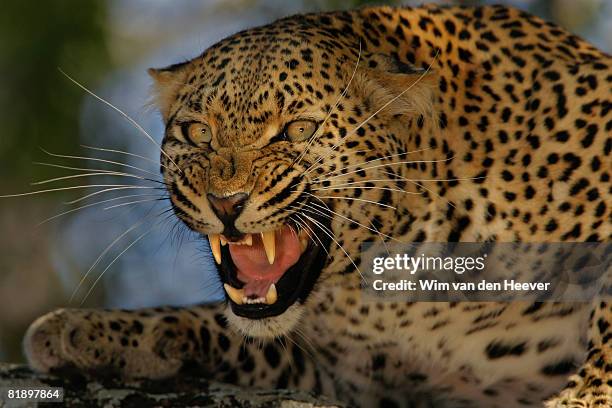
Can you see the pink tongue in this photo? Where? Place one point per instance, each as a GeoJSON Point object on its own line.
{"type": "Point", "coordinates": [255, 271]}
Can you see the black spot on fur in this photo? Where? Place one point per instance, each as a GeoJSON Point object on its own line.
{"type": "Point", "coordinates": [272, 356]}
{"type": "Point", "coordinates": [497, 350]}
{"type": "Point", "coordinates": [563, 367]}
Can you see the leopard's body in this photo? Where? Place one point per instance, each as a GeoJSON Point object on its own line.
{"type": "Point", "coordinates": [508, 121]}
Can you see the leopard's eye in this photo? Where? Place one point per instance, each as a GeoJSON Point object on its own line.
{"type": "Point", "coordinates": [300, 130]}
{"type": "Point", "coordinates": [197, 133]}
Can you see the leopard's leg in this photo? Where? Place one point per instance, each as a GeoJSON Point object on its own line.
{"type": "Point", "coordinates": [156, 343]}
{"type": "Point", "coordinates": [591, 386]}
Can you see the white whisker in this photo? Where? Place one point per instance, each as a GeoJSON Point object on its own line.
{"type": "Point", "coordinates": [52, 190]}
{"type": "Point", "coordinates": [342, 95]}
{"type": "Point", "coordinates": [324, 208]}
{"type": "Point", "coordinates": [122, 113]}
{"type": "Point", "coordinates": [379, 110]}
{"type": "Point", "coordinates": [305, 230]}
{"type": "Point", "coordinates": [103, 149]}
{"type": "Point", "coordinates": [115, 188]}
{"type": "Point", "coordinates": [425, 188]}
{"type": "Point", "coordinates": [97, 261]}
{"type": "Point", "coordinates": [97, 159]}
{"type": "Point", "coordinates": [356, 199]}
{"type": "Point", "coordinates": [399, 190]}
{"type": "Point", "coordinates": [307, 226]}
{"type": "Point", "coordinates": [308, 343]}
{"type": "Point", "coordinates": [390, 180]}
{"type": "Point", "coordinates": [113, 262]}
{"type": "Point", "coordinates": [93, 204]}
{"type": "Point", "coordinates": [132, 203]}
{"type": "Point", "coordinates": [389, 165]}
{"type": "Point", "coordinates": [324, 229]}
{"type": "Point", "coordinates": [371, 161]}
{"type": "Point", "coordinates": [73, 176]}
{"type": "Point", "coordinates": [60, 166]}
{"type": "Point", "coordinates": [110, 246]}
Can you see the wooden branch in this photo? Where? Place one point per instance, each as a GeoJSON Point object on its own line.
{"type": "Point", "coordinates": [182, 391]}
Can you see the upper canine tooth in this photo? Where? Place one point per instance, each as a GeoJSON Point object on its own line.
{"type": "Point", "coordinates": [237, 295]}
{"type": "Point", "coordinates": [303, 242]}
{"type": "Point", "coordinates": [215, 246]}
{"type": "Point", "coordinates": [269, 243]}
{"type": "Point", "coordinates": [271, 296]}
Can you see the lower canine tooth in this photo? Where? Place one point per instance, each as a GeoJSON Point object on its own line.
{"type": "Point", "coordinates": [215, 246]}
{"type": "Point", "coordinates": [269, 243]}
{"type": "Point", "coordinates": [271, 296]}
{"type": "Point", "coordinates": [237, 295]}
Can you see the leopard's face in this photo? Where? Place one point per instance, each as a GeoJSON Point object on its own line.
{"type": "Point", "coordinates": [259, 130]}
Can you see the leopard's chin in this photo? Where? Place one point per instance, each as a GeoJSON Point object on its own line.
{"type": "Point", "coordinates": [268, 327]}
{"type": "Point", "coordinates": [259, 289]}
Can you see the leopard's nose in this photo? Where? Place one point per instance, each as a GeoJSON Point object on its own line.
{"type": "Point", "coordinates": [228, 209]}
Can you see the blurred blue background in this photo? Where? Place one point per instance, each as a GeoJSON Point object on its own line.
{"type": "Point", "coordinates": [107, 46]}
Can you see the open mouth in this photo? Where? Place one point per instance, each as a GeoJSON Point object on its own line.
{"type": "Point", "coordinates": [265, 273]}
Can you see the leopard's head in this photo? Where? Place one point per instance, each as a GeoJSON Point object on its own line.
{"type": "Point", "coordinates": [276, 146]}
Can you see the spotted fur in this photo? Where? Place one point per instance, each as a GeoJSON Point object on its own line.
{"type": "Point", "coordinates": [508, 122]}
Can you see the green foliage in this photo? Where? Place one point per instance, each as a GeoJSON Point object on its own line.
{"type": "Point", "coordinates": [39, 107]}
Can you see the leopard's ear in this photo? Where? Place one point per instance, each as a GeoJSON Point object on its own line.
{"type": "Point", "coordinates": [401, 88]}
{"type": "Point", "coordinates": [166, 84]}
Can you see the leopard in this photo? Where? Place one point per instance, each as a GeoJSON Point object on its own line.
{"type": "Point", "coordinates": [289, 145]}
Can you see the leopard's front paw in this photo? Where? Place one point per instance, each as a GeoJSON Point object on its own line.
{"type": "Point", "coordinates": [43, 344]}
{"type": "Point", "coordinates": [95, 343]}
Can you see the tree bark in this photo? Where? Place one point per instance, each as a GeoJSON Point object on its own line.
{"type": "Point", "coordinates": [182, 391]}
